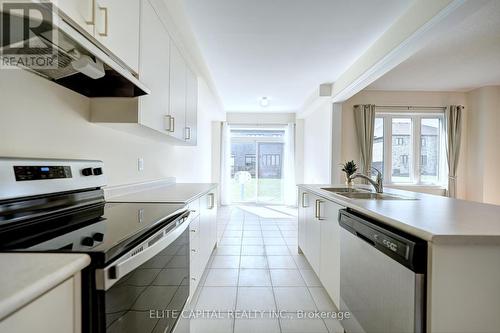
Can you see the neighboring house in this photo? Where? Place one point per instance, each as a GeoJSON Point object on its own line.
{"type": "Point", "coordinates": [243, 158]}
{"type": "Point", "coordinates": [401, 150]}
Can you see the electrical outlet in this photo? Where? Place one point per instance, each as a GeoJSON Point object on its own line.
{"type": "Point", "coordinates": [140, 164]}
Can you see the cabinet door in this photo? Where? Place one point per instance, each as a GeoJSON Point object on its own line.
{"type": "Point", "coordinates": [191, 107]}
{"type": "Point", "coordinates": [313, 234]}
{"type": "Point", "coordinates": [117, 28]}
{"type": "Point", "coordinates": [53, 312]}
{"type": "Point", "coordinates": [212, 211]}
{"type": "Point", "coordinates": [208, 227]}
{"type": "Point", "coordinates": [177, 92]}
{"type": "Point", "coordinates": [154, 70]}
{"type": "Point", "coordinates": [303, 205]}
{"type": "Point", "coordinates": [205, 230]}
{"type": "Point", "coordinates": [82, 12]}
{"type": "Point", "coordinates": [329, 272]}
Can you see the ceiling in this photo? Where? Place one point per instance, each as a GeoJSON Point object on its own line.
{"type": "Point", "coordinates": [283, 49]}
{"type": "Point", "coordinates": [464, 57]}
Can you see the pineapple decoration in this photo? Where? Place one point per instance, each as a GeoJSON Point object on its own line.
{"type": "Point", "coordinates": [350, 169]}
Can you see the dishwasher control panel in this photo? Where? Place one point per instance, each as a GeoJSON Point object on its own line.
{"type": "Point", "coordinates": [406, 249]}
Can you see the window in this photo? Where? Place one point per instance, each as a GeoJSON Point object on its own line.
{"type": "Point", "coordinates": [232, 165]}
{"type": "Point", "coordinates": [401, 150]}
{"type": "Point", "coordinates": [249, 160]}
{"type": "Point", "coordinates": [411, 146]}
{"type": "Point", "coordinates": [378, 145]}
{"type": "Point", "coordinates": [404, 160]}
{"type": "Point", "coordinates": [272, 160]}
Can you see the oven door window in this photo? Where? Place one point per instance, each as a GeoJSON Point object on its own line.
{"type": "Point", "coordinates": [151, 298]}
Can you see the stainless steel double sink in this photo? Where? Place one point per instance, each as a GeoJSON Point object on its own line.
{"type": "Point", "coordinates": [362, 194]}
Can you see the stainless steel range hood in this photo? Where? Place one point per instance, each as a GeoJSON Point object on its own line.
{"type": "Point", "coordinates": [81, 63]}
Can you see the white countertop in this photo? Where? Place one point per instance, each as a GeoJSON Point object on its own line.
{"type": "Point", "coordinates": [26, 276]}
{"type": "Point", "coordinates": [182, 193]}
{"type": "Point", "coordinates": [432, 218]}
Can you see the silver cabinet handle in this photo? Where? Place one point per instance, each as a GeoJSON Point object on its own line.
{"type": "Point", "coordinates": [106, 25]}
{"type": "Point", "coordinates": [172, 124]}
{"type": "Point", "coordinates": [167, 123]}
{"type": "Point", "coordinates": [318, 210]}
{"type": "Point", "coordinates": [211, 200]}
{"type": "Point", "coordinates": [304, 194]}
{"type": "Point", "coordinates": [92, 15]}
{"type": "Point", "coordinates": [187, 135]}
{"type": "Point", "coordinates": [193, 250]}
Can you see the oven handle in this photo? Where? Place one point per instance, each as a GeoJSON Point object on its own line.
{"type": "Point", "coordinates": [107, 277]}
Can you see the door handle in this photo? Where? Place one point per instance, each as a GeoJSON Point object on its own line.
{"type": "Point", "coordinates": [92, 15]}
{"type": "Point", "coordinates": [105, 11]}
{"type": "Point", "coordinates": [304, 194]}
{"type": "Point", "coordinates": [187, 135]}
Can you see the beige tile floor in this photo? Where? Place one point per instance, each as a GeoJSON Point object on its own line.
{"type": "Point", "coordinates": [257, 267]}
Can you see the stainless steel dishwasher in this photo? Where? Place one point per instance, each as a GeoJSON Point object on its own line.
{"type": "Point", "coordinates": [382, 277]}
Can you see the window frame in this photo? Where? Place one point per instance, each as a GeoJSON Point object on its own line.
{"type": "Point", "coordinates": [415, 148]}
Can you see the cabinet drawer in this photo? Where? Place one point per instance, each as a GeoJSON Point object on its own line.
{"type": "Point", "coordinates": [194, 228]}
{"type": "Point", "coordinates": [194, 206]}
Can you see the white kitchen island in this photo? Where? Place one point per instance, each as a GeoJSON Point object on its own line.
{"type": "Point", "coordinates": [463, 270]}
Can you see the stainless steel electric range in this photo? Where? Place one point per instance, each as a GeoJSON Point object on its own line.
{"type": "Point", "coordinates": [139, 252]}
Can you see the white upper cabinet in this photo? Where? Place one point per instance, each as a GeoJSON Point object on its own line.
{"type": "Point", "coordinates": [177, 92]}
{"type": "Point", "coordinates": [114, 23]}
{"type": "Point", "coordinates": [191, 107]}
{"type": "Point", "coordinates": [117, 28]}
{"type": "Point", "coordinates": [172, 106]}
{"type": "Point", "coordinates": [82, 12]}
{"type": "Point", "coordinates": [154, 70]}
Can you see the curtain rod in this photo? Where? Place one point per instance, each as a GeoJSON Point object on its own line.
{"type": "Point", "coordinates": [410, 107]}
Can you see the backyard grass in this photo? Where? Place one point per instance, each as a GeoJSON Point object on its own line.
{"type": "Point", "coordinates": [270, 190]}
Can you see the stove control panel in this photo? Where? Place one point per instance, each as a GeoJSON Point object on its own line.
{"type": "Point", "coordinates": [32, 172]}
{"type": "Point", "coordinates": [25, 177]}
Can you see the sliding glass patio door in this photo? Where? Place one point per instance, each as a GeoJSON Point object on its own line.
{"type": "Point", "coordinates": [257, 165]}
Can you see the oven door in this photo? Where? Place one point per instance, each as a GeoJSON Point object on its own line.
{"type": "Point", "coordinates": [146, 289]}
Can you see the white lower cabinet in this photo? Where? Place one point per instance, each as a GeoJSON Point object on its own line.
{"type": "Point", "coordinates": [329, 272]}
{"type": "Point", "coordinates": [319, 241]}
{"type": "Point", "coordinates": [203, 237]}
{"type": "Point", "coordinates": [313, 235]}
{"type": "Point", "coordinates": [56, 311]}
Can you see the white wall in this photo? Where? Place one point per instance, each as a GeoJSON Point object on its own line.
{"type": "Point", "coordinates": [349, 145]}
{"type": "Point", "coordinates": [41, 119]}
{"type": "Point", "coordinates": [257, 118]}
{"type": "Point", "coordinates": [483, 157]}
{"type": "Point", "coordinates": [317, 163]}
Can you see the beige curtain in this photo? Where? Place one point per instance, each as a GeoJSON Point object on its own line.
{"type": "Point", "coordinates": [453, 128]}
{"type": "Point", "coordinates": [364, 119]}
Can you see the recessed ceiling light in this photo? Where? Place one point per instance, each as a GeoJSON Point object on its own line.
{"type": "Point", "coordinates": [264, 101]}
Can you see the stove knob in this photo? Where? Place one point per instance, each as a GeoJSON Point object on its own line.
{"type": "Point", "coordinates": [87, 172]}
{"type": "Point", "coordinates": [88, 241]}
{"type": "Point", "coordinates": [98, 237]}
{"type": "Point", "coordinates": [97, 171]}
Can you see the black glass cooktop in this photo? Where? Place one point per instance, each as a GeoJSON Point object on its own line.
{"type": "Point", "coordinates": [103, 230]}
